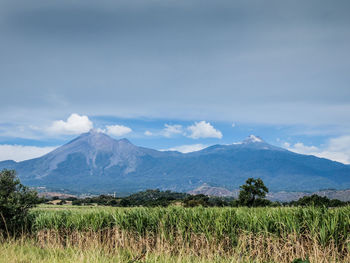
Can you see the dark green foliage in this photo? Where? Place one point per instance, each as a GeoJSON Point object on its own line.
{"type": "Point", "coordinates": [71, 199]}
{"type": "Point", "coordinates": [196, 200]}
{"type": "Point", "coordinates": [275, 204]}
{"type": "Point", "coordinates": [78, 202]}
{"type": "Point", "coordinates": [253, 193]}
{"type": "Point", "coordinates": [99, 200]}
{"type": "Point", "coordinates": [15, 201]}
{"type": "Point", "coordinates": [146, 198]}
{"type": "Point", "coordinates": [234, 203]}
{"type": "Point", "coordinates": [62, 202]}
{"type": "Point", "coordinates": [316, 200]}
{"type": "Point", "coordinates": [153, 198]}
{"type": "Point", "coordinates": [125, 202]}
{"type": "Point", "coordinates": [299, 260]}
{"type": "Point", "coordinates": [43, 200]}
{"type": "Point", "coordinates": [206, 201]}
{"type": "Point", "coordinates": [219, 201]}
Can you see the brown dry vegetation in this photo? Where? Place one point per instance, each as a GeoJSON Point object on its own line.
{"type": "Point", "coordinates": [249, 247]}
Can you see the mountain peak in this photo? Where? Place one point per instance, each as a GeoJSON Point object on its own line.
{"type": "Point", "coordinates": [253, 139]}
{"type": "Point", "coordinates": [94, 135]}
{"type": "Point", "coordinates": [125, 141]}
{"type": "Point", "coordinates": [93, 131]}
{"type": "Point", "coordinates": [97, 133]}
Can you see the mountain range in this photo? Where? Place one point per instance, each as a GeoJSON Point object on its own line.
{"type": "Point", "coordinates": [97, 163]}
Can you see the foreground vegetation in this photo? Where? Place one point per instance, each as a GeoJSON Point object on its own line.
{"type": "Point", "coordinates": [206, 234]}
{"type": "Point", "coordinates": [170, 234]}
{"type": "Point", "coordinates": [321, 224]}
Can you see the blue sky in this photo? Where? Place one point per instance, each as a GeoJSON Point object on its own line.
{"type": "Point", "coordinates": [183, 70]}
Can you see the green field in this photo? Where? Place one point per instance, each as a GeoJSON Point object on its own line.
{"type": "Point", "coordinates": [322, 225]}
{"type": "Point", "coordinates": [177, 234]}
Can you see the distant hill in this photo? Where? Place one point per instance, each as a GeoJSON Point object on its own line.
{"type": "Point", "coordinates": [214, 191]}
{"type": "Point", "coordinates": [95, 163]}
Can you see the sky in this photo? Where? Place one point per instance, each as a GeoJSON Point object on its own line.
{"type": "Point", "coordinates": [175, 74]}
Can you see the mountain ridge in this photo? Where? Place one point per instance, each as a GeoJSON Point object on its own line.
{"type": "Point", "coordinates": [95, 162]}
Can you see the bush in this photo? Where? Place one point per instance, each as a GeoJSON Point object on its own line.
{"type": "Point", "coordinates": [15, 201]}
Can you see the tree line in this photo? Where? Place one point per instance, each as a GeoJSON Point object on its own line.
{"type": "Point", "coordinates": [252, 194]}
{"type": "Point", "coordinates": [16, 200]}
{"type": "Point", "coordinates": [166, 198]}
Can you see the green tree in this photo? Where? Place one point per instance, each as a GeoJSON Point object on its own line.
{"type": "Point", "coordinates": [253, 193]}
{"type": "Point", "coordinates": [196, 200]}
{"type": "Point", "coordinates": [315, 200]}
{"type": "Point", "coordinates": [15, 201]}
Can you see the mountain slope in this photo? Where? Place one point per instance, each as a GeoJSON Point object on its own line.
{"type": "Point", "coordinates": [94, 162]}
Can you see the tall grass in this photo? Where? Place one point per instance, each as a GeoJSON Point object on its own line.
{"type": "Point", "coordinates": [323, 225]}
{"type": "Point", "coordinates": [204, 234]}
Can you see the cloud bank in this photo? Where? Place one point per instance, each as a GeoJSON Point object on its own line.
{"type": "Point", "coordinates": [198, 130]}
{"type": "Point", "coordinates": [171, 130]}
{"type": "Point", "coordinates": [188, 148]}
{"type": "Point", "coordinates": [336, 149]}
{"type": "Point", "coordinates": [276, 62]}
{"type": "Point", "coordinates": [20, 153]}
{"type": "Point", "coordinates": [77, 124]}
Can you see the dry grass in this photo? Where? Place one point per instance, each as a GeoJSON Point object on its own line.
{"type": "Point", "coordinates": [249, 247]}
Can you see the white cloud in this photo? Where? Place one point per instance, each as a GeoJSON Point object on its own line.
{"type": "Point", "coordinates": [203, 129]}
{"type": "Point", "coordinates": [301, 148]}
{"type": "Point", "coordinates": [171, 130]}
{"type": "Point", "coordinates": [117, 130]}
{"type": "Point", "coordinates": [336, 149]}
{"type": "Point", "coordinates": [21, 153]}
{"type": "Point", "coordinates": [233, 125]}
{"type": "Point", "coordinates": [75, 124]}
{"type": "Point", "coordinates": [286, 145]}
{"type": "Point", "coordinates": [168, 131]}
{"type": "Point", "coordinates": [188, 148]}
{"type": "Point", "coordinates": [148, 133]}
{"type": "Point", "coordinates": [101, 130]}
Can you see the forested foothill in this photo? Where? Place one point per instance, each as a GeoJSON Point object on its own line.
{"type": "Point", "coordinates": [154, 198]}
{"type": "Point", "coordinates": [252, 194]}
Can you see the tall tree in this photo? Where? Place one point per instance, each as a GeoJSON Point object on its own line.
{"type": "Point", "coordinates": [15, 201]}
{"type": "Point", "coordinates": [253, 192]}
